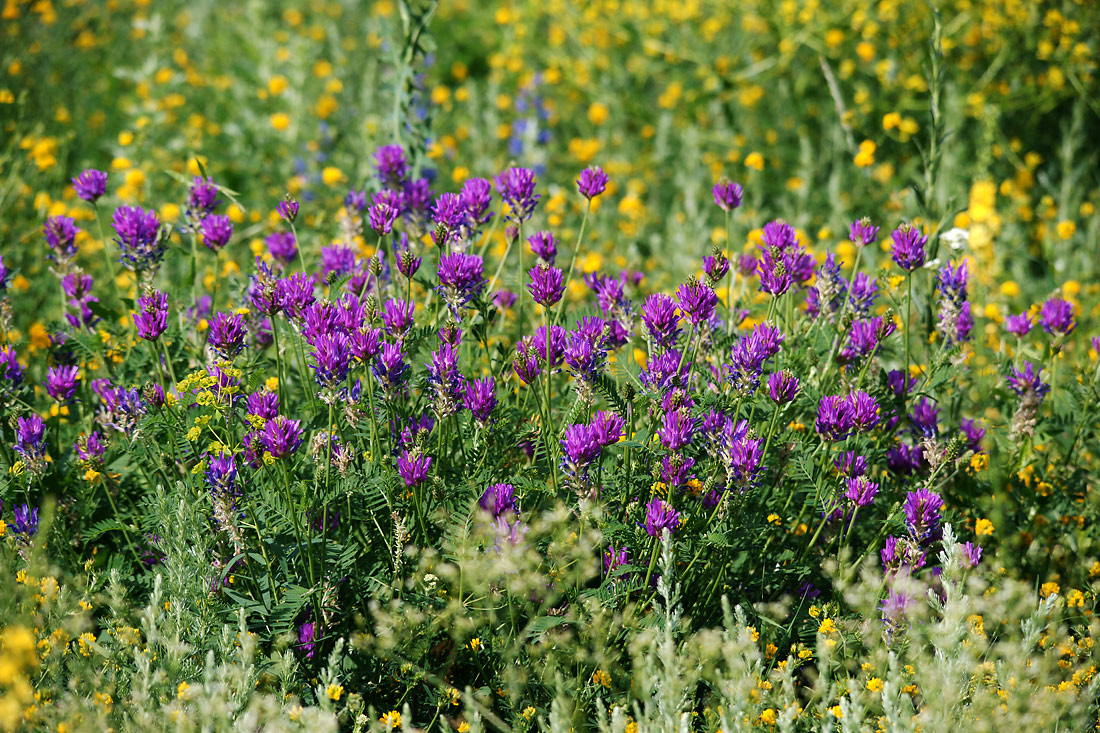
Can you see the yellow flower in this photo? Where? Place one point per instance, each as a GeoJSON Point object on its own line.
{"type": "Point", "coordinates": [755, 161]}
{"type": "Point", "coordinates": [280, 121]}
{"type": "Point", "coordinates": [865, 158]}
{"type": "Point", "coordinates": [1066, 228]}
{"type": "Point", "coordinates": [827, 627]}
{"type": "Point", "coordinates": [983, 527]}
{"type": "Point", "coordinates": [181, 690]}
{"type": "Point", "coordinates": [836, 711]}
{"type": "Point", "coordinates": [874, 684]}
{"type": "Point", "coordinates": [334, 691]}
{"type": "Point", "coordinates": [277, 85]}
{"type": "Point", "coordinates": [768, 716]}
{"type": "Point", "coordinates": [1048, 589]}
{"type": "Point", "coordinates": [979, 462]}
{"type": "Point", "coordinates": [891, 120]}
{"type": "Point", "coordinates": [391, 720]}
{"type": "Point", "coordinates": [332, 175]}
{"type": "Point", "coordinates": [601, 678]}
{"type": "Point", "coordinates": [598, 113]}
{"type": "Point", "coordinates": [774, 519]}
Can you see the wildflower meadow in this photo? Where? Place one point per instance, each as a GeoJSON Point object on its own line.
{"type": "Point", "coordinates": [626, 366]}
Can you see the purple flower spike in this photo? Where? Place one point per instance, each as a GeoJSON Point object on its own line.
{"type": "Point", "coordinates": [499, 499]}
{"type": "Point", "coordinates": [1027, 381]}
{"type": "Point", "coordinates": [860, 491]}
{"type": "Point", "coordinates": [384, 210]}
{"type": "Point", "coordinates": [151, 318]}
{"type": "Point", "coordinates": [216, 231]}
{"type": "Point", "coordinates": [782, 387]}
{"type": "Point", "coordinates": [697, 301]}
{"type": "Point", "coordinates": [202, 198]}
{"type": "Point", "coordinates": [727, 195]}
{"type": "Point", "coordinates": [281, 436]}
{"type": "Point", "coordinates": [282, 246]}
{"type": "Point", "coordinates": [60, 233]}
{"type": "Point", "coordinates": [61, 382]}
{"type": "Point", "coordinates": [862, 233]}
{"type": "Point", "coordinates": [834, 417]}
{"type": "Point", "coordinates": [138, 238]}
{"type": "Point", "coordinates": [908, 251]}
{"type": "Point", "coordinates": [659, 516]}
{"type": "Point", "coordinates": [592, 182]}
{"type": "Point", "coordinates": [972, 555]}
{"type": "Point", "coordinates": [1056, 316]}
{"type": "Point", "coordinates": [26, 520]}
{"type": "Point", "coordinates": [676, 431]}
{"type": "Point", "coordinates": [517, 189]}
{"type": "Point", "coordinates": [413, 467]}
{"type": "Point", "coordinates": [864, 411]}
{"type": "Point", "coordinates": [1019, 325]}
{"type": "Point", "coordinates": [227, 332]}
{"type": "Point", "coordinates": [544, 246]}
{"type": "Point", "coordinates": [480, 398]}
{"type": "Point", "coordinates": [90, 185]}
{"type": "Point", "coordinates": [288, 209]}
{"type": "Point", "coordinates": [331, 359]}
{"type": "Point", "coordinates": [390, 162]}
{"type": "Point", "coordinates": [580, 448]}
{"type": "Point", "coordinates": [547, 285]}
{"type": "Point", "coordinates": [922, 514]}
{"type": "Point", "coordinates": [608, 427]}
{"type": "Point", "coordinates": [460, 278]}
{"type": "Point", "coordinates": [30, 433]}
{"type": "Point", "coordinates": [661, 319]}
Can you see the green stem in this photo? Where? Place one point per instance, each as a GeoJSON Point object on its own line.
{"type": "Point", "coordinates": [573, 259]}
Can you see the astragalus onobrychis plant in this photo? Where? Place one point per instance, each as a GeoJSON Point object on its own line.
{"type": "Point", "coordinates": [394, 475]}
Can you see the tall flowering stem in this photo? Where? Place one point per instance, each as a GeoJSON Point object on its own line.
{"type": "Point", "coordinates": [107, 254]}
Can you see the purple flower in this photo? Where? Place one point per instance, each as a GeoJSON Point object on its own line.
{"type": "Point", "coordinates": [925, 417]}
{"type": "Point", "coordinates": [517, 189]}
{"type": "Point", "coordinates": [389, 161]}
{"type": "Point", "coordinates": [676, 431]}
{"type": "Point", "coordinates": [862, 294]}
{"type": "Point", "coordinates": [661, 319]}
{"type": "Point", "coordinates": [860, 491]}
{"type": "Point", "coordinates": [391, 371]}
{"type": "Point", "coordinates": [30, 433]}
{"type": "Point", "coordinates": [264, 405]}
{"type": "Point", "coordinates": [899, 383]}
{"type": "Point", "coordinates": [60, 233]}
{"type": "Point", "coordinates": [746, 460]}
{"type": "Point", "coordinates": [1027, 381]}
{"type": "Point", "coordinates": [480, 398]}
{"type": "Point", "coordinates": [331, 359]}
{"type": "Point", "coordinates": [544, 246]}
{"type": "Point", "coordinates": [1056, 316]}
{"type": "Point", "coordinates": [413, 467]}
{"type": "Point", "coordinates": [615, 558]}
{"type": "Point", "coordinates": [282, 246]}
{"type": "Point", "coordinates": [864, 411]}
{"type": "Point", "coordinates": [90, 184]}
{"type": "Point", "coordinates": [295, 293]}
{"type": "Point", "coordinates": [592, 182]}
{"type": "Point", "coordinates": [608, 427]}
{"type": "Point", "coordinates": [504, 299]}
{"type": "Point", "coordinates": [972, 554]}
{"type": "Point", "coordinates": [397, 316]}
{"type": "Point", "coordinates": [782, 387]}
{"type": "Point", "coordinates": [460, 278]}
{"type": "Point", "coordinates": [407, 264]}
{"type": "Point", "coordinates": [307, 639]}
{"type": "Point", "coordinates": [908, 250]}
{"type": "Point", "coordinates": [61, 382]}
{"type": "Point", "coordinates": [557, 344]}
{"type": "Point", "coordinates": [281, 436]}
{"type": "Point", "coordinates": [659, 516]}
{"type": "Point", "coordinates": [526, 363]}
{"type": "Point", "coordinates": [974, 433]}
{"type": "Point", "coordinates": [664, 371]}
{"type": "Point", "coordinates": [151, 318]}
{"type": "Point", "coordinates": [139, 240]}
{"type": "Point", "coordinates": [727, 195]}
{"type": "Point", "coordinates": [851, 464]}
{"type": "Point", "coordinates": [288, 209]}
{"type": "Point", "coordinates": [90, 448]}
{"type": "Point", "coordinates": [10, 369]}
{"type": "Point", "coordinates": [748, 355]}
{"type": "Point", "coordinates": [338, 259]}
{"type": "Point", "coordinates": [580, 448]}
{"type": "Point", "coordinates": [25, 520]}
{"type": "Point", "coordinates": [227, 332]}
{"type": "Point", "coordinates": [1019, 325]}
{"type": "Point", "coordinates": [862, 232]}
{"type": "Point", "coordinates": [547, 284]}
{"type": "Point", "coordinates": [586, 350]}
{"type": "Point", "coordinates": [697, 301]}
{"type": "Point", "coordinates": [715, 267]}
{"type": "Point", "coordinates": [477, 195]}
{"type": "Point", "coordinates": [385, 207]}
{"type": "Point", "coordinates": [747, 264]}
{"type": "Point", "coordinates": [216, 231]}
{"type": "Point", "coordinates": [834, 417]}
{"type": "Point", "coordinates": [922, 514]}
{"type": "Point", "coordinates": [499, 499]}
{"type": "Point", "coordinates": [221, 475]}
{"type": "Point", "coordinates": [448, 211]}
{"type": "Point", "coordinates": [202, 198]}
{"type": "Point", "coordinates": [904, 459]}
{"type": "Point", "coordinates": [445, 380]}
{"type": "Point", "coordinates": [355, 200]}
